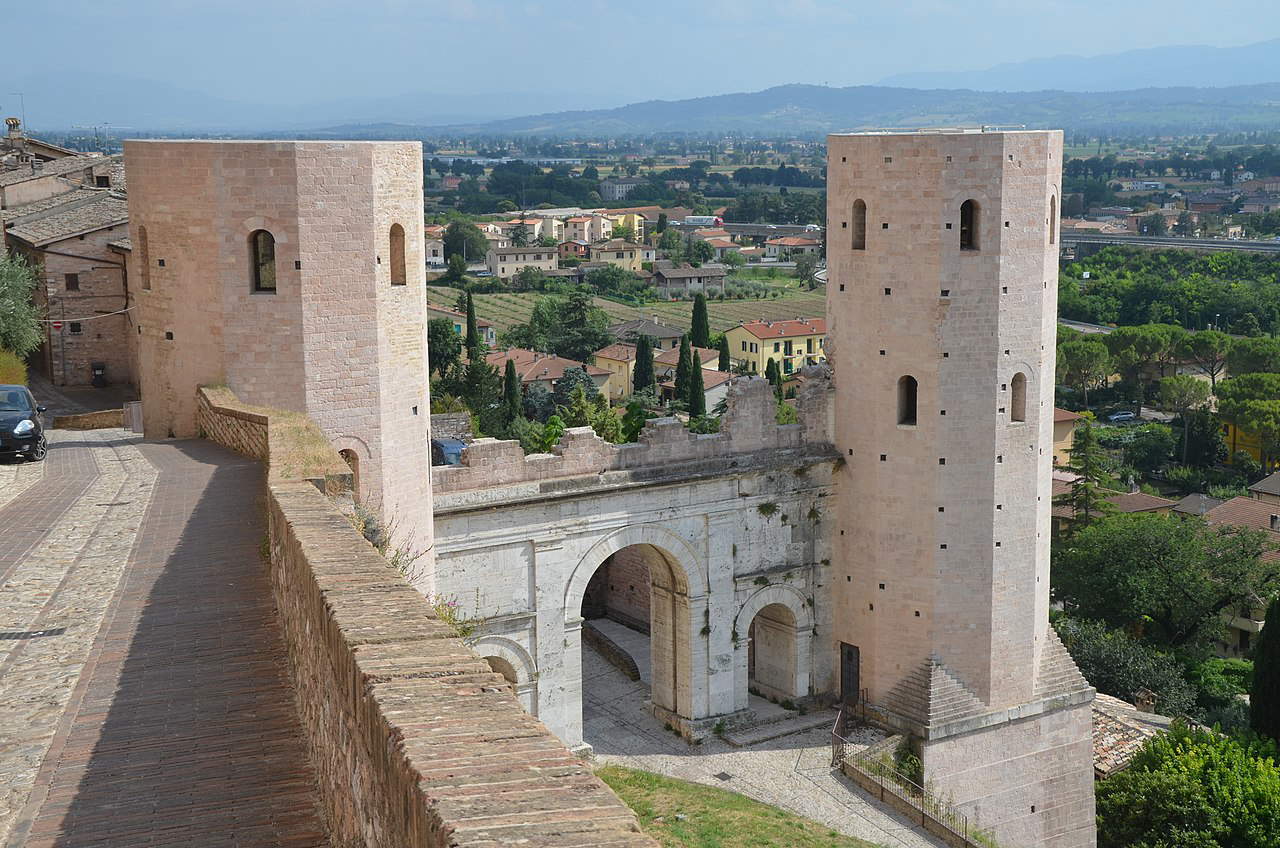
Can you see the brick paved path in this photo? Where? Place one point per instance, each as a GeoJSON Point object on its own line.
{"type": "Point", "coordinates": [161, 714]}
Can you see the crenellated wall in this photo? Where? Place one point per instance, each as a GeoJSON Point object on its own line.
{"type": "Point", "coordinates": [748, 426]}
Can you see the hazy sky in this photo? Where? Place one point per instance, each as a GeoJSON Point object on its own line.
{"type": "Point", "coordinates": [592, 52]}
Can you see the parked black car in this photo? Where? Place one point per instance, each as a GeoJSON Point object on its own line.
{"type": "Point", "coordinates": [21, 427]}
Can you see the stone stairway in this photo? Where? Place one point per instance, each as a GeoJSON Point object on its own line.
{"type": "Point", "coordinates": [1057, 674]}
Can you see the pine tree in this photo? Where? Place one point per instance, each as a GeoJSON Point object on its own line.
{"type": "Point", "coordinates": [1088, 462]}
{"type": "Point", "coordinates": [697, 398]}
{"type": "Point", "coordinates": [682, 368]}
{"type": "Point", "coordinates": [1264, 699]}
{"type": "Point", "coordinates": [773, 374]}
{"type": "Point", "coordinates": [725, 363]}
{"type": "Point", "coordinates": [700, 333]}
{"type": "Point", "coordinates": [511, 391]}
{"type": "Point", "coordinates": [642, 377]}
{"type": "Point", "coordinates": [473, 332]}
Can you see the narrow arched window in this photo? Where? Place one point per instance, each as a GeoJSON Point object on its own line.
{"type": "Point", "coordinates": [907, 400]}
{"type": "Point", "coordinates": [969, 225]}
{"type": "Point", "coordinates": [859, 225]}
{"type": "Point", "coordinates": [398, 277]}
{"type": "Point", "coordinates": [262, 257]}
{"type": "Point", "coordinates": [144, 258]}
{"type": "Point", "coordinates": [1018, 397]}
{"type": "Point", "coordinates": [1053, 219]}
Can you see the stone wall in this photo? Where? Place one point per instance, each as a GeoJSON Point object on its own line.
{"type": "Point", "coordinates": [747, 427]}
{"type": "Point", "coordinates": [415, 741]}
{"type": "Point", "coordinates": [238, 429]}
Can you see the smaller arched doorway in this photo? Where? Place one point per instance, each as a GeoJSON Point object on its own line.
{"type": "Point", "coordinates": [771, 654]}
{"type": "Point", "coordinates": [352, 459]}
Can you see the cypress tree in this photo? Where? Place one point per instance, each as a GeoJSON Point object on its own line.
{"type": "Point", "coordinates": [1264, 699]}
{"type": "Point", "coordinates": [642, 378]}
{"type": "Point", "coordinates": [682, 368]}
{"type": "Point", "coordinates": [773, 374]}
{"type": "Point", "coordinates": [697, 398]}
{"type": "Point", "coordinates": [512, 400]}
{"type": "Point", "coordinates": [473, 332]}
{"type": "Point", "coordinates": [725, 363]}
{"type": "Point", "coordinates": [700, 333]}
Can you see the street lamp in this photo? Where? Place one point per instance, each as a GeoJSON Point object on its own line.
{"type": "Point", "coordinates": [1216, 316]}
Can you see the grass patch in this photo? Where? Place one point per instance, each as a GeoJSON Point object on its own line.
{"type": "Point", "coordinates": [299, 449]}
{"type": "Point", "coordinates": [13, 371]}
{"type": "Point", "coordinates": [714, 818]}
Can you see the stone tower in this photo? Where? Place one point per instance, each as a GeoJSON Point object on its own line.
{"type": "Point", "coordinates": [942, 298]}
{"type": "Point", "coordinates": [294, 273]}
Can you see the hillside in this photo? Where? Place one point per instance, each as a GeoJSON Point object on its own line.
{"type": "Point", "coordinates": [819, 109]}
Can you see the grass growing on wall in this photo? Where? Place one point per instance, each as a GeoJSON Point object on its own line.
{"type": "Point", "coordinates": [679, 814]}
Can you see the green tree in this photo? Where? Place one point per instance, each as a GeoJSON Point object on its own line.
{"type": "Point", "coordinates": [462, 238]}
{"type": "Point", "coordinates": [1193, 788]}
{"type": "Point", "coordinates": [578, 411]}
{"type": "Point", "coordinates": [1252, 403]}
{"type": "Point", "coordinates": [1171, 338]}
{"type": "Point", "coordinates": [482, 390]}
{"type": "Point", "coordinates": [1247, 325]}
{"type": "Point", "coordinates": [683, 366]}
{"type": "Point", "coordinates": [700, 333]}
{"type": "Point", "coordinates": [511, 392]}
{"type": "Point", "coordinates": [773, 374]}
{"type": "Point", "coordinates": [662, 223]}
{"type": "Point", "coordinates": [1182, 394]}
{"type": "Point", "coordinates": [806, 268]}
{"type": "Point", "coordinates": [20, 330]}
{"type": "Point", "coordinates": [1087, 498]}
{"type": "Point", "coordinates": [1153, 225]}
{"type": "Point", "coordinates": [1149, 447]}
{"type": "Point", "coordinates": [697, 398]}
{"type": "Point", "coordinates": [529, 279]}
{"type": "Point", "coordinates": [456, 271]}
{"type": "Point", "coordinates": [642, 377]}
{"type": "Point", "coordinates": [1249, 356]}
{"type": "Point", "coordinates": [733, 259]}
{"type": "Point", "coordinates": [669, 241]}
{"type": "Point", "coordinates": [1207, 350]}
{"type": "Point", "coordinates": [520, 233]}
{"type": "Point", "coordinates": [1161, 576]}
{"type": "Point", "coordinates": [699, 251]}
{"type": "Point", "coordinates": [1205, 446]}
{"type": "Point", "coordinates": [444, 345]}
{"type": "Point", "coordinates": [725, 363]}
{"type": "Point", "coordinates": [584, 328]}
{"type": "Point", "coordinates": [1134, 353]}
{"type": "Point", "coordinates": [1117, 664]}
{"type": "Point", "coordinates": [605, 421]}
{"type": "Point", "coordinates": [1084, 363]}
{"type": "Point", "coordinates": [1264, 696]}
{"type": "Point", "coordinates": [573, 378]}
{"type": "Point", "coordinates": [473, 341]}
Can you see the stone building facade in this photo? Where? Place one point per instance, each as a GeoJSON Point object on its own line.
{"type": "Point", "coordinates": [942, 306]}
{"type": "Point", "coordinates": [293, 273]}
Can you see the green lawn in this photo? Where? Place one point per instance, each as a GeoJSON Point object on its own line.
{"type": "Point", "coordinates": [506, 310]}
{"type": "Point", "coordinates": [714, 818]}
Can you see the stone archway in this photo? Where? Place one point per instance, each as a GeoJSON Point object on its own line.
{"type": "Point", "coordinates": [355, 453]}
{"type": "Point", "coordinates": [676, 647]}
{"type": "Point", "coordinates": [512, 661]}
{"type": "Point", "coordinates": [775, 627]}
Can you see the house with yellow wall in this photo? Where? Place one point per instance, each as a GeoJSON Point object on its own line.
{"type": "Point", "coordinates": [1238, 439]}
{"type": "Point", "coordinates": [1064, 433]}
{"type": "Point", "coordinates": [620, 361]}
{"type": "Point", "coordinates": [793, 344]}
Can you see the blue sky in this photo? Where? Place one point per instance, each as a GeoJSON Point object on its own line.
{"type": "Point", "coordinates": [587, 53]}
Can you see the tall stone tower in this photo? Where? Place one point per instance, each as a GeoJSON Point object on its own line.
{"type": "Point", "coordinates": [942, 301]}
{"type": "Point", "coordinates": [294, 273]}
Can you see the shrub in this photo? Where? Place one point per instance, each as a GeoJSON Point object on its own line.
{"type": "Point", "coordinates": [1117, 664]}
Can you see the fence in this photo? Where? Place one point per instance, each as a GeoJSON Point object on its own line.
{"type": "Point", "coordinates": [881, 778]}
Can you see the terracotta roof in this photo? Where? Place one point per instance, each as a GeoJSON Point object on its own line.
{"type": "Point", "coordinates": [121, 244]}
{"type": "Point", "coordinates": [682, 273]}
{"type": "Point", "coordinates": [509, 251]}
{"type": "Point", "coordinates": [710, 379]}
{"type": "Point", "coordinates": [1119, 731]}
{"type": "Point", "coordinates": [672, 357]}
{"type": "Point", "coordinates": [794, 241]}
{"type": "Point", "coordinates": [721, 243]}
{"type": "Point", "coordinates": [110, 210]}
{"type": "Point", "coordinates": [618, 244]}
{"type": "Point", "coordinates": [1269, 485]}
{"type": "Point", "coordinates": [580, 219]}
{"type": "Point", "coordinates": [620, 351]}
{"type": "Point", "coordinates": [54, 168]}
{"type": "Point", "coordinates": [1122, 501]}
{"type": "Point", "coordinates": [783, 329]}
{"type": "Point", "coordinates": [1064, 415]}
{"type": "Point", "coordinates": [72, 193]}
{"type": "Point", "coordinates": [533, 366]}
{"type": "Point", "coordinates": [1248, 512]}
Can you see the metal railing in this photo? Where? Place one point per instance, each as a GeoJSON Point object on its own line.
{"type": "Point", "coordinates": [890, 781]}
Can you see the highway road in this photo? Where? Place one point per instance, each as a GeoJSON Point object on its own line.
{"type": "Point", "coordinates": [1175, 243]}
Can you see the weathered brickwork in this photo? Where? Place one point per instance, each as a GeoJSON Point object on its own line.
{"type": "Point", "coordinates": [336, 338]}
{"type": "Point", "coordinates": [942, 329]}
{"type": "Point", "coordinates": [242, 431]}
{"type": "Point", "coordinates": [414, 740]}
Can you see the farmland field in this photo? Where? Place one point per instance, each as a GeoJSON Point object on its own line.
{"type": "Point", "coordinates": [507, 310]}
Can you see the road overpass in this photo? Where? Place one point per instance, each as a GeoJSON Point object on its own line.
{"type": "Point", "coordinates": [757, 230]}
{"type": "Point", "coordinates": [1087, 244]}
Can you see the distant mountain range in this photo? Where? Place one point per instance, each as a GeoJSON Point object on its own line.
{"type": "Point", "coordinates": [1157, 67]}
{"type": "Point", "coordinates": [1167, 89]}
{"type": "Point", "coordinates": [818, 109]}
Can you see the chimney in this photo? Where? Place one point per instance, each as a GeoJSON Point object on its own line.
{"type": "Point", "coordinates": [1275, 522]}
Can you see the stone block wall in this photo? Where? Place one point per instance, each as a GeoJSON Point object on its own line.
{"type": "Point", "coordinates": [100, 420]}
{"type": "Point", "coordinates": [748, 426]}
{"type": "Point", "coordinates": [414, 740]}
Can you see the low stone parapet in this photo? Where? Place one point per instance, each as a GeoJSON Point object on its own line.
{"type": "Point", "coordinates": [414, 740]}
{"type": "Point", "coordinates": [101, 420]}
